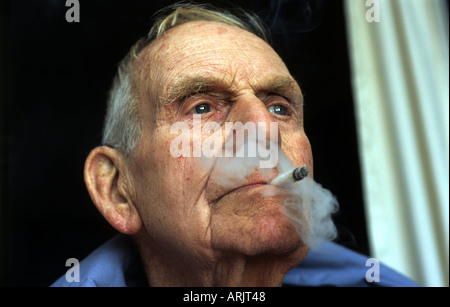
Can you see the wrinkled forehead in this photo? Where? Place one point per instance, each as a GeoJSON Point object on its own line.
{"type": "Point", "coordinates": [204, 48]}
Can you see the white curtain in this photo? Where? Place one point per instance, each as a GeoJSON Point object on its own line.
{"type": "Point", "coordinates": [400, 75]}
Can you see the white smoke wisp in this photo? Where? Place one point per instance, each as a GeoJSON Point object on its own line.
{"type": "Point", "coordinates": [308, 205]}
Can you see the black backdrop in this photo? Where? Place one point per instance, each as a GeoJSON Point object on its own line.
{"type": "Point", "coordinates": [55, 80]}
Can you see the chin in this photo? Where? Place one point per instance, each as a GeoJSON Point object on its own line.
{"type": "Point", "coordinates": [262, 234]}
{"type": "Point", "coordinates": [251, 224]}
{"type": "Point", "coordinates": [273, 235]}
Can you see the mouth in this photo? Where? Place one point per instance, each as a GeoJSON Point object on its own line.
{"type": "Point", "coordinates": [245, 187]}
{"type": "Point", "coordinates": [220, 183]}
{"type": "Point", "coordinates": [241, 188]}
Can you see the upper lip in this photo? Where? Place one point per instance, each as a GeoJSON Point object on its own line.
{"type": "Point", "coordinates": [253, 180]}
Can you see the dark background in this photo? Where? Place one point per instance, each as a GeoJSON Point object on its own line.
{"type": "Point", "coordinates": [55, 77]}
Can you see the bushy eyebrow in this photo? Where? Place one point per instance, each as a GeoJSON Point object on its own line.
{"type": "Point", "coordinates": [284, 86]}
{"type": "Point", "coordinates": [189, 86]}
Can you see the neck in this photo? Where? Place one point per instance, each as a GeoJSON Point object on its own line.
{"type": "Point", "coordinates": [218, 270]}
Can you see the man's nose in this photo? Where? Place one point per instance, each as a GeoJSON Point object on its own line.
{"type": "Point", "coordinates": [250, 109]}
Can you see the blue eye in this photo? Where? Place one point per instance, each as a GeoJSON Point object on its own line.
{"type": "Point", "coordinates": [202, 108]}
{"type": "Point", "coordinates": [278, 109]}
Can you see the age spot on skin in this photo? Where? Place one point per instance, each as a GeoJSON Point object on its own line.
{"type": "Point", "coordinates": [221, 30]}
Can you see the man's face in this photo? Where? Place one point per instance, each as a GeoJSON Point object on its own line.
{"type": "Point", "coordinates": [227, 75]}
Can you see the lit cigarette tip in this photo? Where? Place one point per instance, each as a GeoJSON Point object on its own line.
{"type": "Point", "coordinates": [300, 173]}
{"type": "Point", "coordinates": [292, 176]}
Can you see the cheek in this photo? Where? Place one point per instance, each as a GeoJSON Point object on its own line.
{"type": "Point", "coordinates": [171, 183]}
{"type": "Point", "coordinates": [169, 196]}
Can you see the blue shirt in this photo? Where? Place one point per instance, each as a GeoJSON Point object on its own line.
{"type": "Point", "coordinates": [117, 264]}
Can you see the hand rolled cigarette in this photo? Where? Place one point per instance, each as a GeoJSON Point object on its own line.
{"type": "Point", "coordinates": [292, 176]}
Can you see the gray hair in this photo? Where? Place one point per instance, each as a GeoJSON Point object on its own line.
{"type": "Point", "coordinates": [122, 124]}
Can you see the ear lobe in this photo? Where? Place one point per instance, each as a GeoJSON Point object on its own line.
{"type": "Point", "coordinates": [106, 181]}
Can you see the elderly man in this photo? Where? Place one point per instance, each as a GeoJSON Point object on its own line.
{"type": "Point", "coordinates": [185, 226]}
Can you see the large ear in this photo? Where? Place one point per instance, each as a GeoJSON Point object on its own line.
{"type": "Point", "coordinates": [107, 181]}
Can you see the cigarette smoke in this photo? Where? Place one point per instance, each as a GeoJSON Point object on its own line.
{"type": "Point", "coordinates": [308, 205]}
